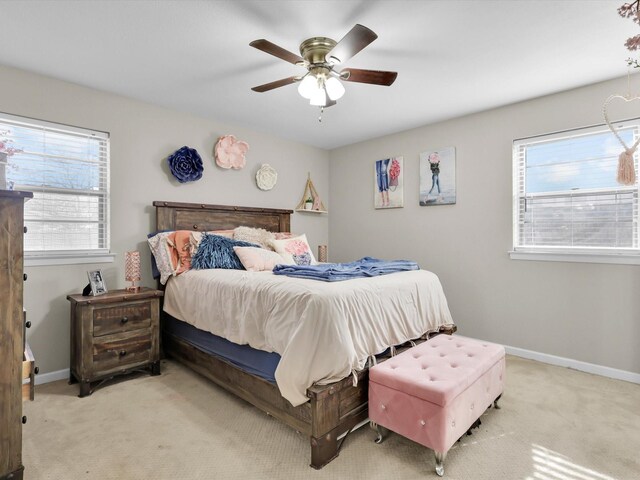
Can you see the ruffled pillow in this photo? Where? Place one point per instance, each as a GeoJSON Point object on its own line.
{"type": "Point", "coordinates": [296, 250]}
{"type": "Point", "coordinates": [216, 251]}
{"type": "Point", "coordinates": [259, 259]}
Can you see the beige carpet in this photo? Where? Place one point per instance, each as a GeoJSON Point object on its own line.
{"type": "Point", "coordinates": [555, 424]}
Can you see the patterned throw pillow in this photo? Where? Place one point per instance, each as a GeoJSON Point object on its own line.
{"type": "Point", "coordinates": [165, 256]}
{"type": "Point", "coordinates": [216, 251]}
{"type": "Point", "coordinates": [295, 251]}
{"type": "Point", "coordinates": [258, 259]}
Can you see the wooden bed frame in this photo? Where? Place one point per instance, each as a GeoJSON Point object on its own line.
{"type": "Point", "coordinates": [333, 410]}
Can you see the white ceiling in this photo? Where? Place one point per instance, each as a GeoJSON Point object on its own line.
{"type": "Point", "coordinates": [453, 57]}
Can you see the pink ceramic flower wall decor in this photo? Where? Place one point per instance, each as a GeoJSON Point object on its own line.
{"type": "Point", "coordinates": [229, 152]}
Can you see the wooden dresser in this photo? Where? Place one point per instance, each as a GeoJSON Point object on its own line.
{"type": "Point", "coordinates": [114, 333]}
{"type": "Point", "coordinates": [11, 332]}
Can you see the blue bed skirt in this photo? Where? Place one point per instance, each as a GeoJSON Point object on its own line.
{"type": "Point", "coordinates": [256, 362]}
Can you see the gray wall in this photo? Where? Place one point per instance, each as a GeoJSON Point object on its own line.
{"type": "Point", "coordinates": [586, 312]}
{"type": "Point", "coordinates": [142, 136]}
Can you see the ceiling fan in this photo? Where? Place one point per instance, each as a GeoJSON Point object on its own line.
{"type": "Point", "coordinates": [321, 56]}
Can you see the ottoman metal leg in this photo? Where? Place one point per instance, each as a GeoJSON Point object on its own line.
{"type": "Point", "coordinates": [380, 430]}
{"type": "Point", "coordinates": [440, 456]}
{"type": "Point", "coordinates": [495, 402]}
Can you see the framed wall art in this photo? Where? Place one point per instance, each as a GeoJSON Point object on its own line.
{"type": "Point", "coordinates": [438, 177]}
{"type": "Point", "coordinates": [389, 183]}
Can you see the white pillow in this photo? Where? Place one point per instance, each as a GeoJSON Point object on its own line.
{"type": "Point", "coordinates": [256, 259]}
{"type": "Point", "coordinates": [296, 250]}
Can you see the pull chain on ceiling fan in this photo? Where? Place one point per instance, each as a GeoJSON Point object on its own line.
{"type": "Point", "coordinates": [322, 85]}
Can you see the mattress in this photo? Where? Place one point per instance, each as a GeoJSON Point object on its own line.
{"type": "Point", "coordinates": [322, 331]}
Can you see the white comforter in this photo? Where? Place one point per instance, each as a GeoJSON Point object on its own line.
{"type": "Point", "coordinates": [322, 331]}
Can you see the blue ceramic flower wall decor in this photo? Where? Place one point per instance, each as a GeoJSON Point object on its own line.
{"type": "Point", "coordinates": [186, 165]}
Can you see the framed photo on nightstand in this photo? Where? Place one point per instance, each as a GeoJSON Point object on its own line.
{"type": "Point", "coordinates": [98, 286]}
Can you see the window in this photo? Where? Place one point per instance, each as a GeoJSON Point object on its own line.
{"type": "Point", "coordinates": [567, 202]}
{"type": "Point", "coordinates": [67, 169]}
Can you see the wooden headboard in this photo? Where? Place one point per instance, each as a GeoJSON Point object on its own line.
{"type": "Point", "coordinates": [203, 217]}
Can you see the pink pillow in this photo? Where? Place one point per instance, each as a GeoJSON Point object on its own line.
{"type": "Point", "coordinates": [256, 259]}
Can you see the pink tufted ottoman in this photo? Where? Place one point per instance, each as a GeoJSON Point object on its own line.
{"type": "Point", "coordinates": [434, 392]}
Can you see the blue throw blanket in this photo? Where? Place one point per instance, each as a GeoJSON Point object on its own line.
{"type": "Point", "coordinates": [335, 272]}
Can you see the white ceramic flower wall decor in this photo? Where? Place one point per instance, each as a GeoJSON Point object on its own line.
{"type": "Point", "coordinates": [229, 152]}
{"type": "Point", "coordinates": [266, 177]}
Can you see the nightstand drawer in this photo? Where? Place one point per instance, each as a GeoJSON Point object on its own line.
{"type": "Point", "coordinates": [122, 350]}
{"type": "Point", "coordinates": [121, 318]}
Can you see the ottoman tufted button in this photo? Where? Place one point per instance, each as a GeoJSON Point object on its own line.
{"type": "Point", "coordinates": [454, 365]}
{"type": "Point", "coordinates": [453, 423]}
{"type": "Point", "coordinates": [442, 354]}
{"type": "Point", "coordinates": [472, 406]}
{"type": "Point", "coordinates": [469, 355]}
{"type": "Point", "coordinates": [423, 423]}
{"type": "Point", "coordinates": [382, 406]}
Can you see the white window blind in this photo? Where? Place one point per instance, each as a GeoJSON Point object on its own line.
{"type": "Point", "coordinates": [67, 169]}
{"type": "Point", "coordinates": [566, 197]}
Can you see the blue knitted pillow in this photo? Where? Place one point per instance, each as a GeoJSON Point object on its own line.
{"type": "Point", "coordinates": [215, 251]}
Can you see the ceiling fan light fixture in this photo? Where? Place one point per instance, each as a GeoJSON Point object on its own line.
{"type": "Point", "coordinates": [308, 86]}
{"type": "Point", "coordinates": [334, 87]}
{"type": "Point", "coordinates": [319, 98]}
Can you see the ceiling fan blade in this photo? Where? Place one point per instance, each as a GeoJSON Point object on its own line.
{"type": "Point", "coordinates": [278, 83]}
{"type": "Point", "coordinates": [375, 77]}
{"type": "Point", "coordinates": [273, 49]}
{"type": "Point", "coordinates": [354, 41]}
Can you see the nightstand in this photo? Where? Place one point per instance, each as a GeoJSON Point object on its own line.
{"type": "Point", "coordinates": [113, 334]}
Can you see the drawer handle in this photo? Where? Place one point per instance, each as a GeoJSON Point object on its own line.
{"type": "Point", "coordinates": [24, 419]}
{"type": "Point", "coordinates": [122, 353]}
{"type": "Point", "coordinates": [24, 276]}
{"type": "Point", "coordinates": [36, 370]}
{"type": "Point", "coordinates": [27, 324]}
{"type": "Point", "coordinates": [124, 320]}
{"type": "Point", "coordinates": [25, 229]}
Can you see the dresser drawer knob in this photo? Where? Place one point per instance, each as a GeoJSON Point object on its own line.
{"type": "Point", "coordinates": [24, 419]}
{"type": "Point", "coordinates": [24, 276]}
{"type": "Point", "coordinates": [122, 353]}
{"type": "Point", "coordinates": [124, 320]}
{"type": "Point", "coordinates": [27, 324]}
{"type": "Point", "coordinates": [36, 370]}
{"type": "Point", "coordinates": [25, 229]}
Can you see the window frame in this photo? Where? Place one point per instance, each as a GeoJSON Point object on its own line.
{"type": "Point", "coordinates": [67, 257]}
{"type": "Point", "coordinates": [612, 255]}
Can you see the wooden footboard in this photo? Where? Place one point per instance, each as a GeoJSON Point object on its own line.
{"type": "Point", "coordinates": [332, 409]}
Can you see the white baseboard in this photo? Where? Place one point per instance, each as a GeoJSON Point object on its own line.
{"type": "Point", "coordinates": [518, 352]}
{"type": "Point", "coordinates": [52, 376]}
{"type": "Point", "coordinates": [575, 364]}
